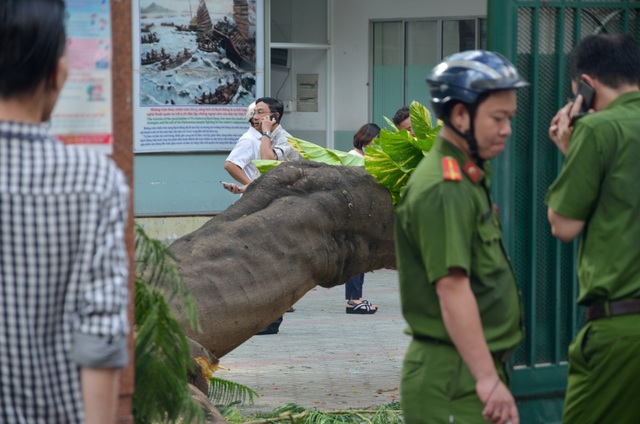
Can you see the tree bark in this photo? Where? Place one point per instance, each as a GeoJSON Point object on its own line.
{"type": "Point", "coordinates": [299, 225]}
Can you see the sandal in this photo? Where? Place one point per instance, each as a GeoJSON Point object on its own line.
{"type": "Point", "coordinates": [364, 308]}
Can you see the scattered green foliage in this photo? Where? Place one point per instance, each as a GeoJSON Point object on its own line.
{"type": "Point", "coordinates": [394, 155]}
{"type": "Point", "coordinates": [385, 414]}
{"type": "Point", "coordinates": [390, 159]}
{"type": "Point", "coordinates": [162, 393]}
{"type": "Point", "coordinates": [224, 392]}
{"type": "Point", "coordinates": [311, 151]}
{"type": "Point", "coordinates": [162, 356]}
{"type": "Point", "coordinates": [154, 265]}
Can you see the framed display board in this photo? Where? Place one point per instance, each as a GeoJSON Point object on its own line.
{"type": "Point", "coordinates": [197, 65]}
{"type": "Point", "coordinates": [83, 113]}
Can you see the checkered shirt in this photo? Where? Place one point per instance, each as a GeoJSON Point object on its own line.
{"type": "Point", "coordinates": [63, 273]}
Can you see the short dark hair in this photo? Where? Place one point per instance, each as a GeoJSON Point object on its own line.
{"type": "Point", "coordinates": [274, 104]}
{"type": "Point", "coordinates": [365, 134]}
{"type": "Point", "coordinates": [613, 59]}
{"type": "Point", "coordinates": [32, 40]}
{"type": "Point", "coordinates": [401, 115]}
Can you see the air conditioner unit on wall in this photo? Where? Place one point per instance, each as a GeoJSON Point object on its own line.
{"type": "Point", "coordinates": [281, 57]}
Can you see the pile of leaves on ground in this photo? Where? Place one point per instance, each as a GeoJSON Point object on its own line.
{"type": "Point", "coordinates": [291, 413]}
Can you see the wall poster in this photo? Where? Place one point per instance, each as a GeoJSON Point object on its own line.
{"type": "Point", "coordinates": [82, 115]}
{"type": "Point", "coordinates": [197, 65]}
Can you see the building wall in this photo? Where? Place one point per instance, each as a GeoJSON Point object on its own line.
{"type": "Point", "coordinates": [189, 184]}
{"type": "Point", "coordinates": [352, 55]}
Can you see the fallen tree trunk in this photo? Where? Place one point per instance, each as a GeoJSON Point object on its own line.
{"type": "Point", "coordinates": [300, 225]}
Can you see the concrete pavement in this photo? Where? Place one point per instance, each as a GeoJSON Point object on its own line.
{"type": "Point", "coordinates": [324, 358]}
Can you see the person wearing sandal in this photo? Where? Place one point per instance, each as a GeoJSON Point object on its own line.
{"type": "Point", "coordinates": [353, 288]}
{"type": "Point", "coordinates": [353, 293]}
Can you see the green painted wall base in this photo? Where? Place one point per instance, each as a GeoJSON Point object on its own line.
{"type": "Point", "coordinates": [169, 229]}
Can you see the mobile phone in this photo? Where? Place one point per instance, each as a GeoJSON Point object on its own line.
{"type": "Point", "coordinates": [274, 116]}
{"type": "Point", "coordinates": [588, 94]}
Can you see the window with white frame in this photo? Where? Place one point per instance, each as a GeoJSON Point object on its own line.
{"type": "Point", "coordinates": [405, 51]}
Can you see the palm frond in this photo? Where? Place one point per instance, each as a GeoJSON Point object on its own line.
{"type": "Point", "coordinates": [225, 392]}
{"type": "Point", "coordinates": [155, 265]}
{"type": "Point", "coordinates": [162, 357]}
{"type": "Point", "coordinates": [292, 413]}
{"type": "Point", "coordinates": [388, 414]}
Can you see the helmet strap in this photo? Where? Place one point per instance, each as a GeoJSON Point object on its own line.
{"type": "Point", "coordinates": [469, 135]}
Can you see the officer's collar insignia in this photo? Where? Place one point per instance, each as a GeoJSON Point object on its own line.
{"type": "Point", "coordinates": [473, 171]}
{"type": "Point", "coordinates": [451, 169]}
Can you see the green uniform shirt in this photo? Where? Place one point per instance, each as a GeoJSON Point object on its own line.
{"type": "Point", "coordinates": [600, 184]}
{"type": "Point", "coordinates": [442, 224]}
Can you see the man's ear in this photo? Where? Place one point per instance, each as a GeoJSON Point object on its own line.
{"type": "Point", "coordinates": [59, 75]}
{"type": "Point", "coordinates": [589, 80]}
{"type": "Point", "coordinates": [459, 117]}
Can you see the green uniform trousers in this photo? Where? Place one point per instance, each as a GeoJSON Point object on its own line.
{"type": "Point", "coordinates": [437, 386]}
{"type": "Point", "coordinates": [604, 373]}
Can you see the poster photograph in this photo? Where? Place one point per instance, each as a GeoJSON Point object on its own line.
{"type": "Point", "coordinates": [82, 115]}
{"type": "Point", "coordinates": [195, 72]}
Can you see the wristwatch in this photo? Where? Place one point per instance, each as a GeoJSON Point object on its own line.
{"type": "Point", "coordinates": [267, 133]}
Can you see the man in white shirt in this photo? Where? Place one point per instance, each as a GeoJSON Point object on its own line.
{"type": "Point", "coordinates": [265, 139]}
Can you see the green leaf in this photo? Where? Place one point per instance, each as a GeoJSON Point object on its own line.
{"type": "Point", "coordinates": [311, 151]}
{"type": "Point", "coordinates": [264, 165]}
{"type": "Point", "coordinates": [154, 264]}
{"type": "Point", "coordinates": [393, 157]}
{"type": "Point", "coordinates": [225, 392]}
{"type": "Point", "coordinates": [391, 124]}
{"type": "Point", "coordinates": [421, 121]}
{"type": "Point", "coordinates": [162, 355]}
{"type": "Point", "coordinates": [390, 174]}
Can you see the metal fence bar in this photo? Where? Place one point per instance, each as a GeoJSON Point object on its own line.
{"type": "Point", "coordinates": [578, 4]}
{"type": "Point", "coordinates": [559, 102]}
{"type": "Point", "coordinates": [551, 314]}
{"type": "Point", "coordinates": [535, 79]}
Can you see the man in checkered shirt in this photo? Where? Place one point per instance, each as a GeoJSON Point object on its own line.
{"type": "Point", "coordinates": [63, 262]}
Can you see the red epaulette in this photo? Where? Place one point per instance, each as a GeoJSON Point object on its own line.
{"type": "Point", "coordinates": [473, 172]}
{"type": "Point", "coordinates": [451, 169]}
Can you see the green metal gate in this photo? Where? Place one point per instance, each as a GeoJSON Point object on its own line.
{"type": "Point", "coordinates": [537, 36]}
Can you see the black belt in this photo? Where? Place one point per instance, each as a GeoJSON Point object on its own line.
{"type": "Point", "coordinates": [498, 355]}
{"type": "Point", "coordinates": [612, 309]}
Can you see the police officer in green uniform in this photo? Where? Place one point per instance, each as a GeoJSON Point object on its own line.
{"type": "Point", "coordinates": [458, 290]}
{"type": "Point", "coordinates": [598, 190]}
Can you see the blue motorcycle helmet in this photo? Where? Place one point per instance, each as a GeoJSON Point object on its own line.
{"type": "Point", "coordinates": [467, 77]}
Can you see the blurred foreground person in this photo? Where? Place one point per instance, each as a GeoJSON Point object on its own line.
{"type": "Point", "coordinates": [63, 262]}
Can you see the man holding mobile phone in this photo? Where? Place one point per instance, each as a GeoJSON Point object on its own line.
{"type": "Point", "coordinates": [585, 94]}
{"type": "Point", "coordinates": [267, 118]}
{"type": "Point", "coordinates": [265, 139]}
{"type": "Point", "coordinates": [598, 190]}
